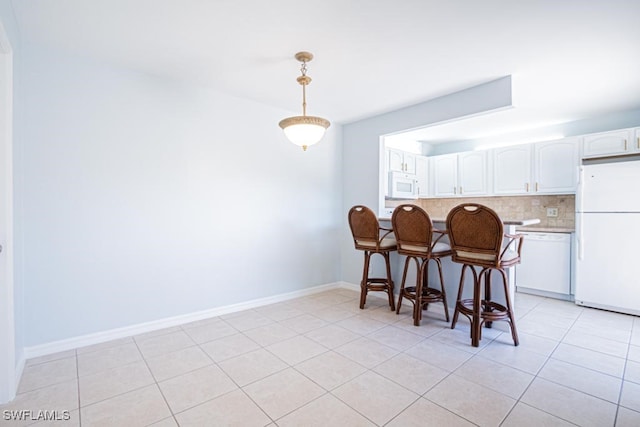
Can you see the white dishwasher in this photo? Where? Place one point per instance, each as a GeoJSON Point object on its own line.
{"type": "Point", "coordinates": [545, 267]}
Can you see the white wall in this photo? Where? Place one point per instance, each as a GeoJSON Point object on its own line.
{"type": "Point", "coordinates": [145, 199]}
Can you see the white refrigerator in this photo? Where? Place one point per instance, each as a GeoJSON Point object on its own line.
{"type": "Point", "coordinates": [608, 236]}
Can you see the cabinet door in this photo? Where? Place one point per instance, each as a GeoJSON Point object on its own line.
{"type": "Point", "coordinates": [546, 264]}
{"type": "Point", "coordinates": [396, 160]}
{"type": "Point", "coordinates": [410, 162]}
{"type": "Point", "coordinates": [422, 175]}
{"type": "Point", "coordinates": [512, 169]}
{"type": "Point", "coordinates": [472, 173]}
{"type": "Point", "coordinates": [556, 166]}
{"type": "Point", "coordinates": [636, 141]}
{"type": "Point", "coordinates": [445, 173]}
{"type": "Point", "coordinates": [607, 144]}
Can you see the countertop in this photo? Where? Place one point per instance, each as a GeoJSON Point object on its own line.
{"type": "Point", "coordinates": [517, 222]}
{"type": "Point", "coordinates": [547, 229]}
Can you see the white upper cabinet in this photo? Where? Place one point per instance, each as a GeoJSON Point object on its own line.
{"type": "Point", "coordinates": [553, 169]}
{"type": "Point", "coordinates": [422, 175]}
{"type": "Point", "coordinates": [556, 166]}
{"type": "Point", "coordinates": [395, 160]}
{"type": "Point", "coordinates": [609, 144]}
{"type": "Point", "coordinates": [463, 174]}
{"type": "Point", "coordinates": [445, 175]}
{"type": "Point", "coordinates": [410, 162]}
{"type": "Point", "coordinates": [401, 161]}
{"type": "Point", "coordinates": [512, 170]}
{"type": "Point", "coordinates": [472, 173]}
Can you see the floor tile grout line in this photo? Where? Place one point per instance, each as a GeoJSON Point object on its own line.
{"type": "Point", "coordinates": [238, 387]}
{"type": "Point", "coordinates": [156, 383]}
{"type": "Point", "coordinates": [241, 388]}
{"type": "Point", "coordinates": [79, 390]}
{"type": "Point", "coordinates": [356, 410]}
{"type": "Point", "coordinates": [33, 364]}
{"type": "Point", "coordinates": [624, 374]}
{"type": "Point", "coordinates": [300, 407]}
{"type": "Point", "coordinates": [57, 382]}
{"type": "Point", "coordinates": [589, 368]}
{"type": "Point", "coordinates": [448, 410]}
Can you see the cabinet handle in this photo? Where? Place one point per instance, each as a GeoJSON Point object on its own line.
{"type": "Point", "coordinates": [527, 187]}
{"type": "Point", "coordinates": [536, 187]}
{"type": "Point", "coordinates": [461, 189]}
{"type": "Point", "coordinates": [625, 145]}
{"type": "Point", "coordinates": [455, 190]}
{"type": "Point", "coordinates": [638, 145]}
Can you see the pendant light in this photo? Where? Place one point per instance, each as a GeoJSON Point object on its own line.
{"type": "Point", "coordinates": [304, 130]}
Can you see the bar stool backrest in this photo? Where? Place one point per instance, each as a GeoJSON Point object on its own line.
{"type": "Point", "coordinates": [413, 229]}
{"type": "Point", "coordinates": [364, 227]}
{"type": "Point", "coordinates": [476, 234]}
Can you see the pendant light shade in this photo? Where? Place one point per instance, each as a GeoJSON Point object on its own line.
{"type": "Point", "coordinates": [304, 130]}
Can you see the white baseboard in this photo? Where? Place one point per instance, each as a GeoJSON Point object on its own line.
{"type": "Point", "coordinates": [349, 285]}
{"type": "Point", "coordinates": [141, 328]}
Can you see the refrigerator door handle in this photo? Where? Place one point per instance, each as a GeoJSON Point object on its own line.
{"type": "Point", "coordinates": [580, 238]}
{"type": "Point", "coordinates": [580, 188]}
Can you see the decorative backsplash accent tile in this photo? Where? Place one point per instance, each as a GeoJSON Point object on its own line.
{"type": "Point", "coordinates": [508, 207]}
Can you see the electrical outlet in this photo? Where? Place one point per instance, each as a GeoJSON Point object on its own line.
{"type": "Point", "coordinates": [552, 212]}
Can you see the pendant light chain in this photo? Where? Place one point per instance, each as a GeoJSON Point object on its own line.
{"type": "Point", "coordinates": [304, 82]}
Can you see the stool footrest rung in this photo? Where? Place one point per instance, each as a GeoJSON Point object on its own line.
{"type": "Point", "coordinates": [491, 310]}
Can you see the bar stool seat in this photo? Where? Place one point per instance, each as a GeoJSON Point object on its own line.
{"type": "Point", "coordinates": [372, 239]}
{"type": "Point", "coordinates": [414, 233]}
{"type": "Point", "coordinates": [477, 239]}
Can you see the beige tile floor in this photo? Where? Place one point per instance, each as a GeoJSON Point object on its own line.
{"type": "Point", "coordinates": [320, 361]}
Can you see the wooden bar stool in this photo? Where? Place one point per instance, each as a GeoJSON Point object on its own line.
{"type": "Point", "coordinates": [369, 237]}
{"type": "Point", "coordinates": [414, 235]}
{"type": "Point", "coordinates": [478, 240]}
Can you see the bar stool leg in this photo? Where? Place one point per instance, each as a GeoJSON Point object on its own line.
{"type": "Point", "coordinates": [456, 312]}
{"type": "Point", "coordinates": [487, 296]}
{"type": "Point", "coordinates": [425, 283]}
{"type": "Point", "coordinates": [402, 284]}
{"type": "Point", "coordinates": [477, 310]}
{"type": "Point", "coordinates": [444, 295]}
{"type": "Point", "coordinates": [365, 279]}
{"type": "Point", "coordinates": [390, 284]}
{"type": "Point", "coordinates": [512, 320]}
{"type": "Point", "coordinates": [417, 307]}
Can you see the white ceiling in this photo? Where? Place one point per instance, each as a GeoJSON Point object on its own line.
{"type": "Point", "coordinates": [570, 59]}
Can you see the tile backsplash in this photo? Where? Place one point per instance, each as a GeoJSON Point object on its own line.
{"type": "Point", "coordinates": [508, 207]}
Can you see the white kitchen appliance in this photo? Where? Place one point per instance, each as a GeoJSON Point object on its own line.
{"type": "Point", "coordinates": [608, 233]}
{"type": "Point", "coordinates": [403, 185]}
{"type": "Point", "coordinates": [545, 268]}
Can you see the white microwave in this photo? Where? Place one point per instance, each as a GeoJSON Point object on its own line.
{"type": "Point", "coordinates": [403, 185]}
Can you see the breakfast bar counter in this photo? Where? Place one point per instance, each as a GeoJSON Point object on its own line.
{"type": "Point", "coordinates": [452, 270]}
